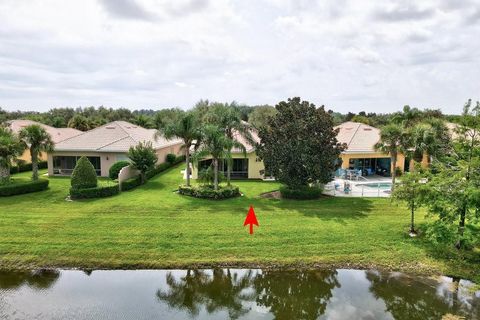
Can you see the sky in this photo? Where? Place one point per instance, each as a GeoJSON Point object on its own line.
{"type": "Point", "coordinates": [348, 55]}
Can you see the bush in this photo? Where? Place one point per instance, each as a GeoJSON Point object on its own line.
{"type": "Point", "coordinates": [96, 192]}
{"type": "Point", "coordinates": [84, 175]}
{"type": "Point", "coordinates": [23, 167]}
{"type": "Point", "coordinates": [301, 193]}
{"type": "Point", "coordinates": [23, 187]}
{"type": "Point", "coordinates": [207, 192]}
{"type": "Point", "coordinates": [116, 167]}
{"type": "Point", "coordinates": [170, 158]}
{"type": "Point", "coordinates": [131, 183]}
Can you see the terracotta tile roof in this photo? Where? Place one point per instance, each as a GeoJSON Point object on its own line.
{"type": "Point", "coordinates": [57, 134]}
{"type": "Point", "coordinates": [359, 137]}
{"type": "Point", "coordinates": [117, 136]}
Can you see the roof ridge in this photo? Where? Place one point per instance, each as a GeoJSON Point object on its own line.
{"type": "Point", "coordinates": [353, 135]}
{"type": "Point", "coordinates": [122, 138]}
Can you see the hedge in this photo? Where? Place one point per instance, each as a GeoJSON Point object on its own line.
{"type": "Point", "coordinates": [131, 183]}
{"type": "Point", "coordinates": [116, 167]}
{"type": "Point", "coordinates": [23, 187]}
{"type": "Point", "coordinates": [301, 193]}
{"type": "Point", "coordinates": [27, 167]}
{"type": "Point", "coordinates": [207, 192]}
{"type": "Point", "coordinates": [96, 192]}
{"type": "Point", "coordinates": [171, 158]}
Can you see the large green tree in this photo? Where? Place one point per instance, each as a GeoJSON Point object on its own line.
{"type": "Point", "coordinates": [299, 145]}
{"type": "Point", "coordinates": [258, 118]}
{"type": "Point", "coordinates": [38, 140]}
{"type": "Point", "coordinates": [393, 140]}
{"type": "Point", "coordinates": [455, 186]}
{"type": "Point", "coordinates": [10, 148]}
{"type": "Point", "coordinates": [188, 129]}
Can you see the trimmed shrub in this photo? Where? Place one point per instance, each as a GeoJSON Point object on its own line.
{"type": "Point", "coordinates": [170, 158]}
{"type": "Point", "coordinates": [23, 167]}
{"type": "Point", "coordinates": [96, 192]}
{"type": "Point", "coordinates": [116, 167]}
{"type": "Point", "coordinates": [23, 187]}
{"type": "Point", "coordinates": [301, 193]}
{"type": "Point", "coordinates": [207, 192]}
{"type": "Point", "coordinates": [84, 175]}
{"type": "Point", "coordinates": [131, 183]}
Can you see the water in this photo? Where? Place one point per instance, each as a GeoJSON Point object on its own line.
{"type": "Point", "coordinates": [234, 294]}
{"type": "Point", "coordinates": [382, 185]}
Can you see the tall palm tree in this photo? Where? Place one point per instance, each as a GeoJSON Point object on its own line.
{"type": "Point", "coordinates": [392, 141]}
{"type": "Point", "coordinates": [188, 129]}
{"type": "Point", "coordinates": [215, 144]}
{"type": "Point", "coordinates": [37, 140]}
{"type": "Point", "coordinates": [10, 148]}
{"type": "Point", "coordinates": [229, 118]}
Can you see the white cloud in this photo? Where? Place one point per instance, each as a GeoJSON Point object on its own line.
{"type": "Point", "coordinates": [348, 55]}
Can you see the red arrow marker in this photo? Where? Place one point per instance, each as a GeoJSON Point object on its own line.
{"type": "Point", "coordinates": [251, 219]}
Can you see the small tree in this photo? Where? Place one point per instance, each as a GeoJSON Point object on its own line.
{"type": "Point", "coordinates": [143, 158]}
{"type": "Point", "coordinates": [10, 148]}
{"type": "Point", "coordinates": [411, 191]}
{"type": "Point", "coordinates": [299, 145]}
{"type": "Point", "coordinates": [37, 140]}
{"type": "Point", "coordinates": [84, 175]}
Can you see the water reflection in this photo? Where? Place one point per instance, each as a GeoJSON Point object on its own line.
{"type": "Point", "coordinates": [39, 279]}
{"type": "Point", "coordinates": [233, 294]}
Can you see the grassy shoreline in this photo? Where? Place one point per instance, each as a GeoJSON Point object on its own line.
{"type": "Point", "coordinates": [152, 227]}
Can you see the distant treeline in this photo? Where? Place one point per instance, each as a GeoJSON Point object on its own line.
{"type": "Point", "coordinates": [90, 117]}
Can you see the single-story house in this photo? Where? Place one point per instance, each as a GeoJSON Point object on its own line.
{"type": "Point", "coordinates": [57, 134]}
{"type": "Point", "coordinates": [245, 165]}
{"type": "Point", "coordinates": [106, 145]}
{"type": "Point", "coordinates": [361, 153]}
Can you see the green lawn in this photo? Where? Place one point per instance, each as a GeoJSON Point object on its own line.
{"type": "Point", "coordinates": [153, 227]}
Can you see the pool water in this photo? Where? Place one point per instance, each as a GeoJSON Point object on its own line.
{"type": "Point", "coordinates": [381, 185]}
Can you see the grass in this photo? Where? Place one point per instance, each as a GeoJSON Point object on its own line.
{"type": "Point", "coordinates": [153, 227]}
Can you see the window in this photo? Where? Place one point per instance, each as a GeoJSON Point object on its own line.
{"type": "Point", "coordinates": [64, 165]}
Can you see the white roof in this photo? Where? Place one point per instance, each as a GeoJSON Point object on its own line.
{"type": "Point", "coordinates": [359, 137]}
{"type": "Point", "coordinates": [57, 134]}
{"type": "Point", "coordinates": [116, 136]}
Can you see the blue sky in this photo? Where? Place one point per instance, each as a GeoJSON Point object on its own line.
{"type": "Point", "coordinates": [347, 55]}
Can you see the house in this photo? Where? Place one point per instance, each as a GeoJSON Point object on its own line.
{"type": "Point", "coordinates": [106, 145]}
{"type": "Point", "coordinates": [245, 165]}
{"type": "Point", "coordinates": [361, 154]}
{"type": "Point", "coordinates": [57, 135]}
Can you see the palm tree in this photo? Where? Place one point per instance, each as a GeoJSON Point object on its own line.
{"type": "Point", "coordinates": [37, 140]}
{"type": "Point", "coordinates": [10, 148]}
{"type": "Point", "coordinates": [392, 141]}
{"type": "Point", "coordinates": [216, 145]}
{"type": "Point", "coordinates": [430, 138]}
{"type": "Point", "coordinates": [187, 129]}
{"type": "Point", "coordinates": [228, 117]}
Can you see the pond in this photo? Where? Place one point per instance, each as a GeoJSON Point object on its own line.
{"type": "Point", "coordinates": [234, 294]}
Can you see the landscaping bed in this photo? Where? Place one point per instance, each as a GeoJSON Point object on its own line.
{"type": "Point", "coordinates": [208, 192]}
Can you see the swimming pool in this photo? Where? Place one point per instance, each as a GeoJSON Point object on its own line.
{"type": "Point", "coordinates": [376, 185]}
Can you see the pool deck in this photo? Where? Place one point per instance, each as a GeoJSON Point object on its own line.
{"type": "Point", "coordinates": [358, 188]}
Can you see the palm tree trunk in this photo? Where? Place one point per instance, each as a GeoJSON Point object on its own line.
{"type": "Point", "coordinates": [412, 222]}
{"type": "Point", "coordinates": [187, 160]}
{"type": "Point", "coordinates": [394, 173]}
{"type": "Point", "coordinates": [34, 157]}
{"type": "Point", "coordinates": [215, 174]}
{"type": "Point", "coordinates": [4, 174]}
{"type": "Point", "coordinates": [229, 169]}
